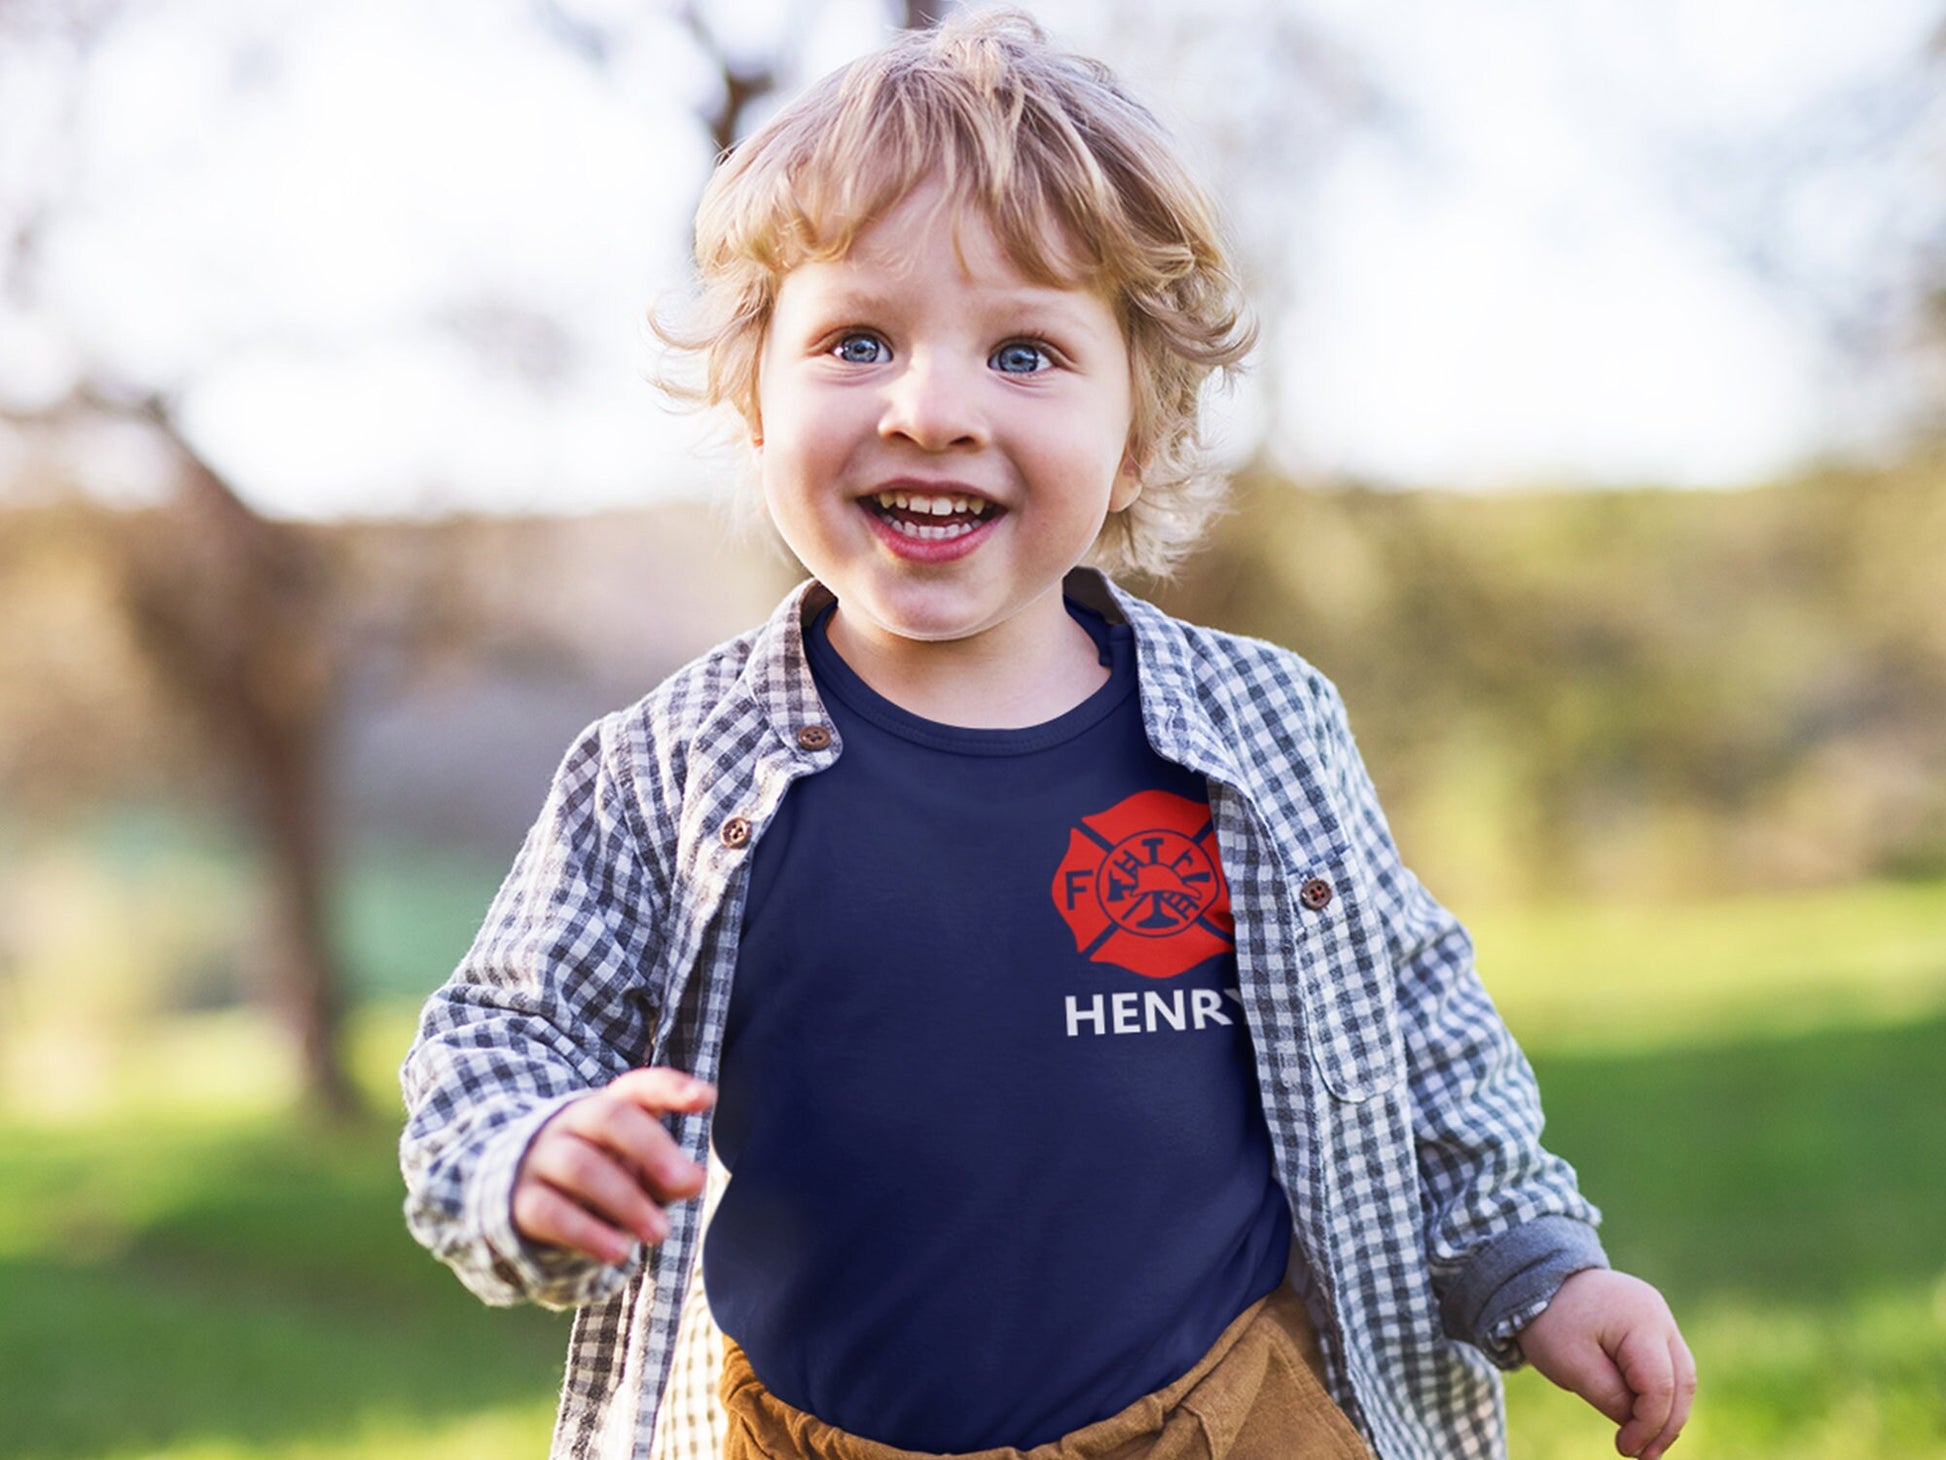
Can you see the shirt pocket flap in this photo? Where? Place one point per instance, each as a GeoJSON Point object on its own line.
{"type": "Point", "coordinates": [1345, 980]}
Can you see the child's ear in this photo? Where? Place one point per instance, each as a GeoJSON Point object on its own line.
{"type": "Point", "coordinates": [1128, 483]}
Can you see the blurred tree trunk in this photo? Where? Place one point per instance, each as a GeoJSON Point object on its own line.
{"type": "Point", "coordinates": [238, 615]}
{"type": "Point", "coordinates": [238, 610]}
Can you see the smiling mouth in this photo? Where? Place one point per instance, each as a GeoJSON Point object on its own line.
{"type": "Point", "coordinates": [928, 517]}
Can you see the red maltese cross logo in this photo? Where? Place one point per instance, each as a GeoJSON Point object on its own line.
{"type": "Point", "coordinates": [1141, 886]}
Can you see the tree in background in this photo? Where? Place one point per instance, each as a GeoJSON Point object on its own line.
{"type": "Point", "coordinates": [243, 620]}
{"type": "Point", "coordinates": [236, 617]}
{"type": "Point", "coordinates": [256, 630]}
{"type": "Point", "coordinates": [242, 623]}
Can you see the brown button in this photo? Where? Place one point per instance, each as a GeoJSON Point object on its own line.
{"type": "Point", "coordinates": [736, 831]}
{"type": "Point", "coordinates": [1315, 893]}
{"type": "Point", "coordinates": [813, 737]}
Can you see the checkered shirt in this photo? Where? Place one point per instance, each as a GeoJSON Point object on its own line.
{"type": "Point", "coordinates": [1404, 1119]}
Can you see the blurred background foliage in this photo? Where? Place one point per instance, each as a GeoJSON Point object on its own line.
{"type": "Point", "coordinates": [1677, 756]}
{"type": "Point", "coordinates": [1625, 692]}
{"type": "Point", "coordinates": [1608, 696]}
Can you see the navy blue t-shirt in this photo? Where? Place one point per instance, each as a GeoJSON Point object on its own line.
{"type": "Point", "coordinates": [998, 1161]}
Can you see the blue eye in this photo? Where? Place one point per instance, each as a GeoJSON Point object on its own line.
{"type": "Point", "coordinates": [860, 350]}
{"type": "Point", "coordinates": [1019, 357]}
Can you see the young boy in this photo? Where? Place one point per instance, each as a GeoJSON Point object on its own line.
{"type": "Point", "coordinates": [1085, 1076]}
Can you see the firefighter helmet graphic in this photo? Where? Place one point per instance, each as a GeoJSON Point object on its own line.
{"type": "Point", "coordinates": [1141, 886]}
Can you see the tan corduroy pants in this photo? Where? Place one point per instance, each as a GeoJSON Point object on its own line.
{"type": "Point", "coordinates": [1255, 1395]}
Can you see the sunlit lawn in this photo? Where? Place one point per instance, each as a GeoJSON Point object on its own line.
{"type": "Point", "coordinates": [207, 1280]}
{"type": "Point", "coordinates": [1789, 1195]}
{"type": "Point", "coordinates": [1754, 1090]}
{"type": "Point", "coordinates": [186, 1275]}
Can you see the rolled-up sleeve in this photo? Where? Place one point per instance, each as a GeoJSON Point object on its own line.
{"type": "Point", "coordinates": [1504, 1219]}
{"type": "Point", "coordinates": [548, 1005]}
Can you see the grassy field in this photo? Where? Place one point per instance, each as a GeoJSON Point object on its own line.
{"type": "Point", "coordinates": [204, 1278]}
{"type": "Point", "coordinates": [1755, 1093]}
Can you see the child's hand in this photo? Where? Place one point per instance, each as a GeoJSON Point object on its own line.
{"type": "Point", "coordinates": [1611, 1339]}
{"type": "Point", "coordinates": [596, 1177]}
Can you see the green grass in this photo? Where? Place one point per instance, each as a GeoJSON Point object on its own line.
{"type": "Point", "coordinates": [243, 1286]}
{"type": "Point", "coordinates": [1754, 1091]}
{"type": "Point", "coordinates": [1666, 973]}
{"type": "Point", "coordinates": [186, 1274]}
{"type": "Point", "coordinates": [201, 1276]}
{"type": "Point", "coordinates": [1789, 1197]}
{"type": "Point", "coordinates": [1860, 1379]}
{"type": "Point", "coordinates": [1804, 1169]}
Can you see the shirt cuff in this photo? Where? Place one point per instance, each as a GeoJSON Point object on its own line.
{"type": "Point", "coordinates": [1512, 1278]}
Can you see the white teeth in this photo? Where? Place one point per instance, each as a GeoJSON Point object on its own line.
{"type": "Point", "coordinates": [960, 506]}
{"type": "Point", "coordinates": [932, 531]}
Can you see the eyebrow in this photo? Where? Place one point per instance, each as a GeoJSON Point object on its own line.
{"type": "Point", "coordinates": [1037, 299]}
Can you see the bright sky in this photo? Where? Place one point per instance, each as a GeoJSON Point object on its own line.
{"type": "Point", "coordinates": [1533, 295]}
{"type": "Point", "coordinates": [395, 254]}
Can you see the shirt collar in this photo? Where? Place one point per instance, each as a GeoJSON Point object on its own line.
{"type": "Point", "coordinates": [777, 675]}
{"type": "Point", "coordinates": [1184, 693]}
{"type": "Point", "coordinates": [1176, 699]}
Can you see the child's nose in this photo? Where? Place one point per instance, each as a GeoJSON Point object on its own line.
{"type": "Point", "coordinates": [929, 405]}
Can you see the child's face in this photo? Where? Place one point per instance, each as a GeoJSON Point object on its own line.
{"type": "Point", "coordinates": [941, 437]}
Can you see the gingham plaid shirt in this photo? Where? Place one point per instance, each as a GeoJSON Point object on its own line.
{"type": "Point", "coordinates": [1403, 1118]}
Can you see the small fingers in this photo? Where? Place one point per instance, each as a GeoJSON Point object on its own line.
{"type": "Point", "coordinates": [546, 1216]}
{"type": "Point", "coordinates": [1651, 1372]}
{"type": "Point", "coordinates": [662, 1091]}
{"type": "Point", "coordinates": [636, 1140]}
{"type": "Point", "coordinates": [1683, 1365]}
{"type": "Point", "coordinates": [595, 1175]}
{"type": "Point", "coordinates": [592, 1175]}
{"type": "Point", "coordinates": [1597, 1380]}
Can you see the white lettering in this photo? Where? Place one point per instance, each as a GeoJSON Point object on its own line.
{"type": "Point", "coordinates": [1208, 1006]}
{"type": "Point", "coordinates": [1149, 1011]}
{"type": "Point", "coordinates": [1170, 1010]}
{"type": "Point", "coordinates": [1093, 1013]}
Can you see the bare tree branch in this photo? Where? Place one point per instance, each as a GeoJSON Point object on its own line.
{"type": "Point", "coordinates": [237, 614]}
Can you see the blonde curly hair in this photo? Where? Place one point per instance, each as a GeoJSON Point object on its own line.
{"type": "Point", "coordinates": [1079, 182]}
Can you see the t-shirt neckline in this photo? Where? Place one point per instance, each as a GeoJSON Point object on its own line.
{"type": "Point", "coordinates": [1115, 646]}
